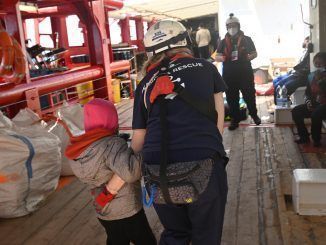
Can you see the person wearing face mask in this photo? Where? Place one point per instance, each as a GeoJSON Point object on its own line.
{"type": "Point", "coordinates": [315, 103]}
{"type": "Point", "coordinates": [236, 51]}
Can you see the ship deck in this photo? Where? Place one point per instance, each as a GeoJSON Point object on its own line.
{"type": "Point", "coordinates": [259, 207]}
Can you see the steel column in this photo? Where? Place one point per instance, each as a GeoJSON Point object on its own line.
{"type": "Point", "coordinates": [59, 26]}
{"type": "Point", "coordinates": [140, 34]}
{"type": "Point", "coordinates": [97, 40]}
{"type": "Point", "coordinates": [125, 30]}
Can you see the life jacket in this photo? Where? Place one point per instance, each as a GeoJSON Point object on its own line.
{"type": "Point", "coordinates": [6, 52]}
{"type": "Point", "coordinates": [164, 86]}
{"type": "Point", "coordinates": [12, 61]}
{"type": "Point", "coordinates": [241, 46]}
{"type": "Point", "coordinates": [18, 67]}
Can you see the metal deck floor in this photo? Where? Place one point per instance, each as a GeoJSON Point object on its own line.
{"type": "Point", "coordinates": [258, 211]}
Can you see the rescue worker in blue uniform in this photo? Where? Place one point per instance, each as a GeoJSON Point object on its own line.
{"type": "Point", "coordinates": [191, 135]}
{"type": "Point", "coordinates": [236, 51]}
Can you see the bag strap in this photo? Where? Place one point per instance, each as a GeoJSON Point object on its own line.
{"type": "Point", "coordinates": [164, 149]}
{"type": "Point", "coordinates": [202, 106]}
{"type": "Point", "coordinates": [47, 118]}
{"type": "Point", "coordinates": [31, 155]}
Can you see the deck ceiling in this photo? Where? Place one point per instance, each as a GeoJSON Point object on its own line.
{"type": "Point", "coordinates": [149, 9]}
{"type": "Point", "coordinates": [162, 9]}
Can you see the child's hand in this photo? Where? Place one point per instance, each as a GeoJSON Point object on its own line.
{"type": "Point", "coordinates": [102, 198]}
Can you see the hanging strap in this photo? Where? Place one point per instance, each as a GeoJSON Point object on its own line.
{"type": "Point", "coordinates": [202, 106]}
{"type": "Point", "coordinates": [47, 118]}
{"type": "Point", "coordinates": [164, 150]}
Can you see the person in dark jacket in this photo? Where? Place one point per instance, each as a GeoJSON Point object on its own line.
{"type": "Point", "coordinates": [236, 51]}
{"type": "Point", "coordinates": [315, 103]}
{"type": "Point", "coordinates": [191, 137]}
{"type": "Point", "coordinates": [299, 75]}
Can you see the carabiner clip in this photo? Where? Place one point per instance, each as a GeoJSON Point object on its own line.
{"type": "Point", "coordinates": [151, 196]}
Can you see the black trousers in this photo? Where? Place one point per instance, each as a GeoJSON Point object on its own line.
{"type": "Point", "coordinates": [133, 229]}
{"type": "Point", "coordinates": [201, 222]}
{"type": "Point", "coordinates": [248, 91]}
{"type": "Point", "coordinates": [203, 52]}
{"type": "Point", "coordinates": [300, 112]}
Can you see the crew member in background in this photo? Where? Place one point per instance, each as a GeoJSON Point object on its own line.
{"type": "Point", "coordinates": [193, 44]}
{"type": "Point", "coordinates": [236, 51]}
{"type": "Point", "coordinates": [203, 38]}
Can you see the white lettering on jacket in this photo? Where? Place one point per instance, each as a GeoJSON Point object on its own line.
{"type": "Point", "coordinates": [191, 65]}
{"type": "Point", "coordinates": [176, 67]}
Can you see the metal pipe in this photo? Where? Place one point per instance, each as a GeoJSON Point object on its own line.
{"type": "Point", "coordinates": [113, 5]}
{"type": "Point", "coordinates": [51, 83]}
{"type": "Point", "coordinates": [119, 65]}
{"type": "Point", "coordinates": [62, 10]}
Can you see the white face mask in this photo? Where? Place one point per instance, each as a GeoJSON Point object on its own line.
{"type": "Point", "coordinates": [233, 30]}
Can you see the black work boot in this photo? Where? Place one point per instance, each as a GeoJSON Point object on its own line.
{"type": "Point", "coordinates": [233, 125]}
{"type": "Point", "coordinates": [256, 120]}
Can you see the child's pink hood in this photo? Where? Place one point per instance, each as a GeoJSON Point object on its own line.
{"type": "Point", "coordinates": [100, 113]}
{"type": "Point", "coordinates": [100, 120]}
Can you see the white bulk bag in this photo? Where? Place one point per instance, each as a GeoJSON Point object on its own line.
{"type": "Point", "coordinates": [73, 116]}
{"type": "Point", "coordinates": [30, 164]}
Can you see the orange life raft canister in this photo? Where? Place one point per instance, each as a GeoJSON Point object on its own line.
{"type": "Point", "coordinates": [12, 61]}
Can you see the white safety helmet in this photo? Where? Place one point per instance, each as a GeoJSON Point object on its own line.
{"type": "Point", "coordinates": [231, 20]}
{"type": "Point", "coordinates": [165, 35]}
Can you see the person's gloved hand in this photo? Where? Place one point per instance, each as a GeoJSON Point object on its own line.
{"type": "Point", "coordinates": [309, 105]}
{"type": "Point", "coordinates": [163, 85]}
{"type": "Point", "coordinates": [101, 197]}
